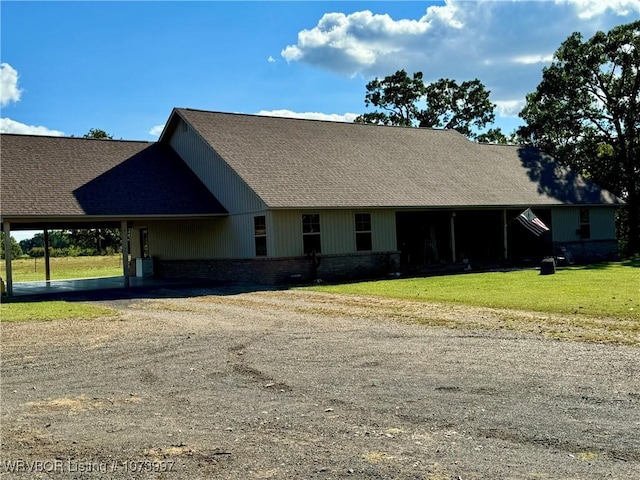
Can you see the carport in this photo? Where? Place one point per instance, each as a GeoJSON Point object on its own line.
{"type": "Point", "coordinates": [52, 183]}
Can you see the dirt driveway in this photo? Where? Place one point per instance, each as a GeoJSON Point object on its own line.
{"type": "Point", "coordinates": [303, 385]}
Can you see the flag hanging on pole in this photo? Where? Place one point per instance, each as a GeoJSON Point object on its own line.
{"type": "Point", "coordinates": [529, 220]}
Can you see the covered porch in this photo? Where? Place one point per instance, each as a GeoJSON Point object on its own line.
{"type": "Point", "coordinates": [436, 238]}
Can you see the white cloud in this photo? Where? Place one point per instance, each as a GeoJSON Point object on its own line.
{"type": "Point", "coordinates": [505, 44]}
{"type": "Point", "coordinates": [509, 108]}
{"type": "Point", "coordinates": [588, 9]}
{"type": "Point", "coordinates": [157, 130]}
{"type": "Point", "coordinates": [356, 42]}
{"type": "Point", "coordinates": [271, 59]}
{"type": "Point", "coordinates": [533, 59]}
{"type": "Point", "coordinates": [11, 126]}
{"type": "Point", "coordinates": [333, 117]}
{"type": "Point", "coordinates": [9, 91]}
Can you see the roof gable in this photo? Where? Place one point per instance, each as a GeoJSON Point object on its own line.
{"type": "Point", "coordinates": [294, 163]}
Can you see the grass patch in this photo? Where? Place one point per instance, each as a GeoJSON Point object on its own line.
{"type": "Point", "coordinates": [32, 269]}
{"type": "Point", "coordinates": [47, 311]}
{"type": "Point", "coordinates": [605, 290]}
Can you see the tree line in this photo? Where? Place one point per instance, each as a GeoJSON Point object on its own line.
{"type": "Point", "coordinates": [68, 243]}
{"type": "Point", "coordinates": [585, 113]}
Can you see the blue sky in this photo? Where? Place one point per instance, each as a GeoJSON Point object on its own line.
{"type": "Point", "coordinates": [122, 66]}
{"type": "Point", "coordinates": [68, 67]}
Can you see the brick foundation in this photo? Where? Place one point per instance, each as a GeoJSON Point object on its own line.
{"type": "Point", "coordinates": [590, 251]}
{"type": "Point", "coordinates": [278, 271]}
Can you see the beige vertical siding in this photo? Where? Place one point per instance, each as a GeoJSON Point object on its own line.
{"type": "Point", "coordinates": [227, 237]}
{"type": "Point", "coordinates": [219, 178]}
{"type": "Point", "coordinates": [337, 231]}
{"type": "Point", "coordinates": [383, 230]}
{"type": "Point", "coordinates": [603, 223]}
{"type": "Point", "coordinates": [284, 233]}
{"type": "Point", "coordinates": [134, 242]}
{"type": "Point", "coordinates": [566, 223]}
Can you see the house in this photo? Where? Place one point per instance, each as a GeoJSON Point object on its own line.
{"type": "Point", "coordinates": [266, 199]}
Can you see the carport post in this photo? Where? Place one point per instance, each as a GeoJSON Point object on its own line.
{"type": "Point", "coordinates": [124, 234]}
{"type": "Point", "coordinates": [7, 257]}
{"type": "Point", "coordinates": [504, 235]}
{"type": "Point", "coordinates": [453, 237]}
{"type": "Point", "coordinates": [47, 262]}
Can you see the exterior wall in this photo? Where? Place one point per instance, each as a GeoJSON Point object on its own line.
{"type": "Point", "coordinates": [214, 172]}
{"type": "Point", "coordinates": [337, 231]}
{"type": "Point", "coordinates": [232, 237]}
{"type": "Point", "coordinates": [589, 251]}
{"type": "Point", "coordinates": [227, 237]}
{"type": "Point", "coordinates": [602, 244]}
{"type": "Point", "coordinates": [603, 223]}
{"type": "Point", "coordinates": [224, 249]}
{"type": "Point", "coordinates": [566, 223]}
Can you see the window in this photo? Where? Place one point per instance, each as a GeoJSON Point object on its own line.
{"type": "Point", "coordinates": [260, 233]}
{"type": "Point", "coordinates": [311, 233]}
{"type": "Point", "coordinates": [363, 232]}
{"type": "Point", "coordinates": [585, 227]}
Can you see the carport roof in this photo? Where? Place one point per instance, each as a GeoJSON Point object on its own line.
{"type": "Point", "coordinates": [53, 178]}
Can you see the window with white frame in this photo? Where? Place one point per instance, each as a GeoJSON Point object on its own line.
{"type": "Point", "coordinates": [585, 224]}
{"type": "Point", "coordinates": [260, 233]}
{"type": "Point", "coordinates": [363, 232]}
{"type": "Point", "coordinates": [311, 233]}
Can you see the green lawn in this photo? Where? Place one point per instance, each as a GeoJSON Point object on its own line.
{"type": "Point", "coordinates": [609, 290]}
{"type": "Point", "coordinates": [55, 310]}
{"type": "Point", "coordinates": [32, 269]}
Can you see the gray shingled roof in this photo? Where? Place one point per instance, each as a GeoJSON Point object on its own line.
{"type": "Point", "coordinates": [77, 177]}
{"type": "Point", "coordinates": [294, 163]}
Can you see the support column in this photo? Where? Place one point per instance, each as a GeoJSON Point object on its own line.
{"type": "Point", "coordinates": [124, 233]}
{"type": "Point", "coordinates": [47, 263]}
{"type": "Point", "coordinates": [453, 237]}
{"type": "Point", "coordinates": [504, 238]}
{"type": "Point", "coordinates": [7, 258]}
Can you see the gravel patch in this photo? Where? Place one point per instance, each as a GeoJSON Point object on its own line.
{"type": "Point", "coordinates": [294, 384]}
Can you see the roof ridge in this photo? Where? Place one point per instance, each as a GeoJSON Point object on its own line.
{"type": "Point", "coordinates": [67, 137]}
{"type": "Point", "coordinates": [256, 115]}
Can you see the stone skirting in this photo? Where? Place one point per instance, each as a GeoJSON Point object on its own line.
{"type": "Point", "coordinates": [278, 271]}
{"type": "Point", "coordinates": [591, 251]}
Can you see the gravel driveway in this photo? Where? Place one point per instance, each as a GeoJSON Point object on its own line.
{"type": "Point", "coordinates": [292, 384]}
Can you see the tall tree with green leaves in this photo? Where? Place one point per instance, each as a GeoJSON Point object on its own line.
{"type": "Point", "coordinates": [16, 251]}
{"type": "Point", "coordinates": [407, 101]}
{"type": "Point", "coordinates": [397, 97]}
{"type": "Point", "coordinates": [586, 113]}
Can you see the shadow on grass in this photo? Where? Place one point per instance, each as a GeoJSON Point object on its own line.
{"type": "Point", "coordinates": [632, 262]}
{"type": "Point", "coordinates": [182, 290]}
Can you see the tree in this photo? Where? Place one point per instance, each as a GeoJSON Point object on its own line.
{"type": "Point", "coordinates": [459, 107]}
{"type": "Point", "coordinates": [16, 251]}
{"type": "Point", "coordinates": [97, 241]}
{"type": "Point", "coordinates": [464, 107]}
{"type": "Point", "coordinates": [97, 133]}
{"type": "Point", "coordinates": [397, 95]}
{"type": "Point", "coordinates": [586, 113]}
